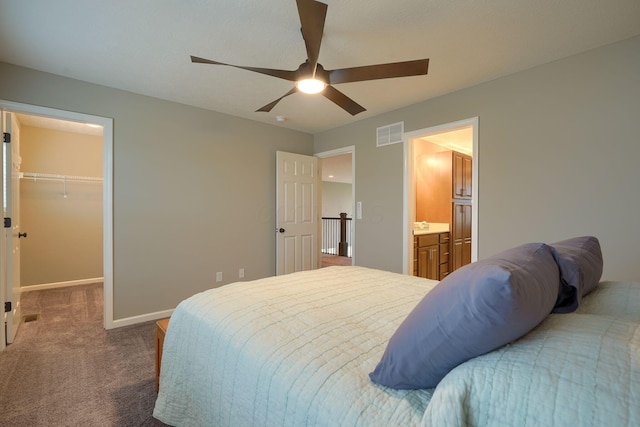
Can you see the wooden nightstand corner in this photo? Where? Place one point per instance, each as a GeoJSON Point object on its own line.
{"type": "Point", "coordinates": [161, 330]}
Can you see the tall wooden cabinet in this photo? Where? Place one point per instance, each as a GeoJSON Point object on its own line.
{"type": "Point", "coordinates": [443, 194]}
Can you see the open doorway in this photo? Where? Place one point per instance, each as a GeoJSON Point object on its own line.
{"type": "Point", "coordinates": [338, 202]}
{"type": "Point", "coordinates": [60, 203]}
{"type": "Point", "coordinates": [441, 196]}
{"type": "Point", "coordinates": [106, 127]}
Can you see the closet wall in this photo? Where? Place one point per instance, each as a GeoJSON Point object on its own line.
{"type": "Point", "coordinates": [64, 228]}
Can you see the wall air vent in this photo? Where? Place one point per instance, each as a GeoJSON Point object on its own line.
{"type": "Point", "coordinates": [390, 134]}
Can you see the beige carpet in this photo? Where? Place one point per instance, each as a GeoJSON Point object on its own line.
{"type": "Point", "coordinates": [64, 369]}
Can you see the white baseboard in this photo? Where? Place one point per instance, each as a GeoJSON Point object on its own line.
{"type": "Point", "coordinates": [29, 288]}
{"type": "Point", "coordinates": [127, 321]}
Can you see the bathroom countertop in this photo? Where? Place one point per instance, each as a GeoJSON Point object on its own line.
{"type": "Point", "coordinates": [432, 228]}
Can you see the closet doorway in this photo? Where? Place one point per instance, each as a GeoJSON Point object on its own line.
{"type": "Point", "coordinates": [60, 203]}
{"type": "Point", "coordinates": [66, 197]}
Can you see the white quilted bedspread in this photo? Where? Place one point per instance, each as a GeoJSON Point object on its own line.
{"type": "Point", "coordinates": [578, 369]}
{"type": "Point", "coordinates": [303, 358]}
{"type": "Point", "coordinates": [300, 359]}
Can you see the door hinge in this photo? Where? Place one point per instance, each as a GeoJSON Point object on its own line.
{"type": "Point", "coordinates": [6, 137]}
{"type": "Point", "coordinates": [7, 306]}
{"type": "Point", "coordinates": [7, 223]}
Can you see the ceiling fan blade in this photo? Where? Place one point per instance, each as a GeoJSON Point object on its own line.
{"type": "Point", "coordinates": [272, 104]}
{"type": "Point", "coordinates": [380, 71]}
{"type": "Point", "coordinates": [343, 101]}
{"type": "Point", "coordinates": [312, 16]}
{"type": "Point", "coordinates": [282, 74]}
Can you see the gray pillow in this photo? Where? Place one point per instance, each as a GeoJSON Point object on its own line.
{"type": "Point", "coordinates": [581, 264]}
{"type": "Point", "coordinates": [475, 309]}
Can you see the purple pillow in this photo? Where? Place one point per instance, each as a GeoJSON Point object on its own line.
{"type": "Point", "coordinates": [580, 262]}
{"type": "Point", "coordinates": [475, 309]}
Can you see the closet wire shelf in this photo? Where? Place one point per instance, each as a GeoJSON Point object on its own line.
{"type": "Point", "coordinates": [53, 177]}
{"type": "Point", "coordinates": [63, 178]}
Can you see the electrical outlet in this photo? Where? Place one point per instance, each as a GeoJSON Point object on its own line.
{"type": "Point", "coordinates": [219, 276]}
{"type": "Point", "coordinates": [241, 273]}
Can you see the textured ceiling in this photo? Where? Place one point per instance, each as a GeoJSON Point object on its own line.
{"type": "Point", "coordinates": [143, 46]}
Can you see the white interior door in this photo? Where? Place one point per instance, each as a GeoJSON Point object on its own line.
{"type": "Point", "coordinates": [296, 212]}
{"type": "Point", "coordinates": [11, 202]}
{"type": "Point", "coordinates": [3, 242]}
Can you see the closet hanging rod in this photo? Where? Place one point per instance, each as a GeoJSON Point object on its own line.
{"type": "Point", "coordinates": [55, 177]}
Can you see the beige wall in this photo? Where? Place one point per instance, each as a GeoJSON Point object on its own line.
{"type": "Point", "coordinates": [64, 239]}
{"type": "Point", "coordinates": [194, 190]}
{"type": "Point", "coordinates": [336, 198]}
{"type": "Point", "coordinates": [557, 155]}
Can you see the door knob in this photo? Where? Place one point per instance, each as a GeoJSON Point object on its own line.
{"type": "Point", "coordinates": [22, 235]}
{"type": "Point", "coordinates": [281, 230]}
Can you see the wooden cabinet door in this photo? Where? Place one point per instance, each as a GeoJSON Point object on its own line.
{"type": "Point", "coordinates": [415, 255]}
{"type": "Point", "coordinates": [466, 234]}
{"type": "Point", "coordinates": [466, 176]}
{"type": "Point", "coordinates": [456, 255]}
{"type": "Point", "coordinates": [461, 235]}
{"type": "Point", "coordinates": [461, 176]}
{"type": "Point", "coordinates": [457, 237]}
{"type": "Point", "coordinates": [429, 262]}
{"type": "Point", "coordinates": [433, 269]}
{"type": "Point", "coordinates": [458, 175]}
{"type": "Point", "coordinates": [423, 261]}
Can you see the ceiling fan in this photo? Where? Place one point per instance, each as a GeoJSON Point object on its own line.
{"type": "Point", "coordinates": [311, 77]}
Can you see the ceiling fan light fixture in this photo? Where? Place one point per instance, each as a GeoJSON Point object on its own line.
{"type": "Point", "coordinates": [311, 86]}
{"type": "Point", "coordinates": [312, 78]}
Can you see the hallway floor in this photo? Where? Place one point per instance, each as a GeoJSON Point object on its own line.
{"type": "Point", "coordinates": [329, 260]}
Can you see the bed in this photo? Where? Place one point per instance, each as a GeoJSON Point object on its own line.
{"type": "Point", "coordinates": [300, 350]}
